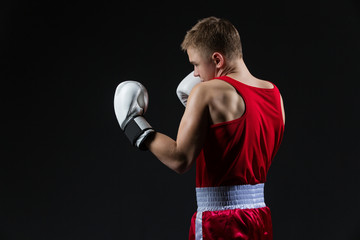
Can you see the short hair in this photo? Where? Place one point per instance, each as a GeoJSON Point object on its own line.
{"type": "Point", "coordinates": [211, 35]}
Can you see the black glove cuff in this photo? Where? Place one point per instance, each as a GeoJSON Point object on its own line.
{"type": "Point", "coordinates": [135, 128]}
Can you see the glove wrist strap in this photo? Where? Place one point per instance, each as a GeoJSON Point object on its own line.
{"type": "Point", "coordinates": [135, 128]}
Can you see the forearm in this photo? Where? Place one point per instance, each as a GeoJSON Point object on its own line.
{"type": "Point", "coordinates": [168, 152]}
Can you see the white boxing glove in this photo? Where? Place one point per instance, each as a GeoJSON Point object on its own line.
{"type": "Point", "coordinates": [185, 86]}
{"type": "Point", "coordinates": [130, 104]}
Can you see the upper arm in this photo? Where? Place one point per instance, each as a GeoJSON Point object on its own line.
{"type": "Point", "coordinates": [282, 108]}
{"type": "Point", "coordinates": [194, 124]}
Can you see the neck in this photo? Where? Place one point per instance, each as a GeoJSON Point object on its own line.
{"type": "Point", "coordinates": [235, 69]}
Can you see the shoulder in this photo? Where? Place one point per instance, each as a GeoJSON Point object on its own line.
{"type": "Point", "coordinates": [261, 83]}
{"type": "Point", "coordinates": [214, 85]}
{"type": "Point", "coordinates": [209, 89]}
{"type": "Point", "coordinates": [215, 91]}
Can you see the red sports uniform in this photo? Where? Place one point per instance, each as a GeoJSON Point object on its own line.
{"type": "Point", "coordinates": [231, 169]}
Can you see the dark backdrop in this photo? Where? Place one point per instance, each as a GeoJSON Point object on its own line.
{"type": "Point", "coordinates": [67, 170]}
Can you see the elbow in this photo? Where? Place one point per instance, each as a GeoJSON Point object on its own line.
{"type": "Point", "coordinates": [182, 161]}
{"type": "Point", "coordinates": [180, 170]}
{"type": "Point", "coordinates": [183, 166]}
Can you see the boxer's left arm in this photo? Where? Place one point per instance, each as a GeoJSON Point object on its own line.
{"type": "Point", "coordinates": [179, 155]}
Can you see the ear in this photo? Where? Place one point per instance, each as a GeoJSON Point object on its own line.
{"type": "Point", "coordinates": [218, 59]}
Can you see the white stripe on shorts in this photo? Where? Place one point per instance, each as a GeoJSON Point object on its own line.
{"type": "Point", "coordinates": [198, 226]}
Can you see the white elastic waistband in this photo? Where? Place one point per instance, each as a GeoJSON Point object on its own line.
{"type": "Point", "coordinates": [230, 197]}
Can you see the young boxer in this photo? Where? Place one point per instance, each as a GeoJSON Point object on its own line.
{"type": "Point", "coordinates": [232, 127]}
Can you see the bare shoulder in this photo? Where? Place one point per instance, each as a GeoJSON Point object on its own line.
{"type": "Point", "coordinates": [205, 92]}
{"type": "Point", "coordinates": [217, 86]}
{"type": "Point", "coordinates": [263, 83]}
{"type": "Point", "coordinates": [199, 95]}
{"type": "Point", "coordinates": [204, 89]}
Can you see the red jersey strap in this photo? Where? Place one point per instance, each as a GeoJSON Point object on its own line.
{"type": "Point", "coordinates": [237, 84]}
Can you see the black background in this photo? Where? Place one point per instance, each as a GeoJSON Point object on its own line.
{"type": "Point", "coordinates": [67, 170]}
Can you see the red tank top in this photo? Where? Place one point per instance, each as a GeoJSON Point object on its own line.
{"type": "Point", "coordinates": [240, 151]}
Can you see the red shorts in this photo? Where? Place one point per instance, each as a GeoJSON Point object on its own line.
{"type": "Point", "coordinates": [254, 224]}
{"type": "Point", "coordinates": [231, 212]}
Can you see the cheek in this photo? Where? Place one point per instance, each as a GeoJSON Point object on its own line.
{"type": "Point", "coordinates": [209, 71]}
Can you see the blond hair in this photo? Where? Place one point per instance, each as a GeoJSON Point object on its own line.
{"type": "Point", "coordinates": [211, 35]}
